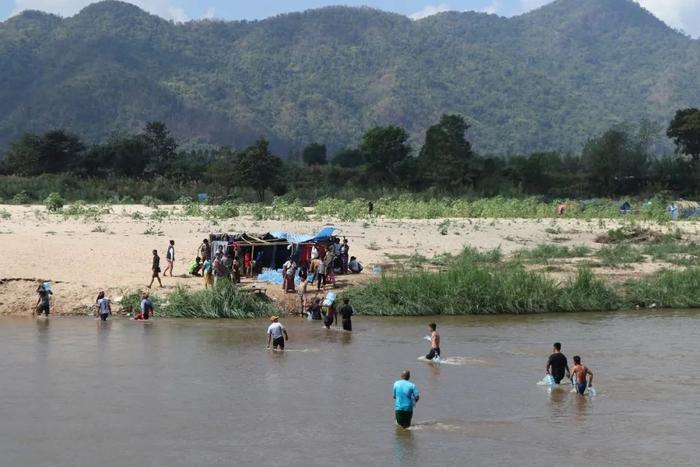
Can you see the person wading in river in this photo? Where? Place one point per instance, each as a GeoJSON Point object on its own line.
{"type": "Point", "coordinates": [406, 396]}
{"type": "Point", "coordinates": [276, 334]}
{"type": "Point", "coordinates": [557, 366]}
{"type": "Point", "coordinates": [578, 376]}
{"type": "Point", "coordinates": [434, 342]}
{"type": "Point", "coordinates": [346, 312]}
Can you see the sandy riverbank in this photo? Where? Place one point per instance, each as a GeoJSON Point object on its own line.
{"type": "Point", "coordinates": [82, 257]}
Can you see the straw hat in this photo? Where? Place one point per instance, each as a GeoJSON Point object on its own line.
{"type": "Point", "coordinates": [274, 318]}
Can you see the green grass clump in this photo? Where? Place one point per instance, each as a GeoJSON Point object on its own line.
{"type": "Point", "coordinates": [680, 254]}
{"type": "Point", "coordinates": [226, 210]}
{"type": "Point", "coordinates": [617, 255]}
{"type": "Point", "coordinates": [87, 212]}
{"type": "Point", "coordinates": [666, 289]}
{"type": "Point", "coordinates": [225, 300]}
{"type": "Point", "coordinates": [150, 201]}
{"type": "Point", "coordinates": [546, 251]}
{"type": "Point", "coordinates": [5, 214]}
{"type": "Point", "coordinates": [471, 287]}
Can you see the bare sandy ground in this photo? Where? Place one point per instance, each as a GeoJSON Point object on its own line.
{"type": "Point", "coordinates": [114, 254]}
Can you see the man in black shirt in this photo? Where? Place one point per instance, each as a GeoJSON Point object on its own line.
{"type": "Point", "coordinates": [557, 365]}
{"type": "Point", "coordinates": [346, 312]}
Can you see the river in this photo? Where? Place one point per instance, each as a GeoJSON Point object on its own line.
{"type": "Point", "coordinates": [77, 392]}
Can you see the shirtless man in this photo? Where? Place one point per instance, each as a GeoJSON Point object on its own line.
{"type": "Point", "coordinates": [434, 342]}
{"type": "Point", "coordinates": [578, 375]}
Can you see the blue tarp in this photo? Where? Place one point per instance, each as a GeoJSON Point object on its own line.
{"type": "Point", "coordinates": [295, 238]}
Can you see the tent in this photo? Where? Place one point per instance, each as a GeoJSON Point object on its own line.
{"type": "Point", "coordinates": [684, 209]}
{"type": "Point", "coordinates": [625, 208]}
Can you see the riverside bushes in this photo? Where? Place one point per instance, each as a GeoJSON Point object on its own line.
{"type": "Point", "coordinates": [224, 300]}
{"type": "Point", "coordinates": [472, 286]}
{"type": "Point", "coordinates": [468, 286]}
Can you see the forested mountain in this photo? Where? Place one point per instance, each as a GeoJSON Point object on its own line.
{"type": "Point", "coordinates": [549, 79]}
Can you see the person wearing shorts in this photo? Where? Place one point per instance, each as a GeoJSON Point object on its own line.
{"type": "Point", "coordinates": [434, 342]}
{"type": "Point", "coordinates": [155, 269]}
{"type": "Point", "coordinates": [406, 396]}
{"type": "Point", "coordinates": [578, 376]}
{"type": "Point", "coordinates": [276, 334]}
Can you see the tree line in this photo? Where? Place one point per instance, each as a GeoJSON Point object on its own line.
{"type": "Point", "coordinates": [617, 163]}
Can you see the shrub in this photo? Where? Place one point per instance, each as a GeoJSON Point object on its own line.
{"type": "Point", "coordinates": [226, 210]}
{"type": "Point", "coordinates": [21, 198]}
{"type": "Point", "coordinates": [224, 300]}
{"type": "Point", "coordinates": [150, 201]}
{"type": "Point", "coordinates": [54, 202]}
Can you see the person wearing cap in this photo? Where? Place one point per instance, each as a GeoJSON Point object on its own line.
{"type": "Point", "coordinates": [276, 334]}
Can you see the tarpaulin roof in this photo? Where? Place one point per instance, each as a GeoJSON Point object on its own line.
{"type": "Point", "coordinates": [323, 234]}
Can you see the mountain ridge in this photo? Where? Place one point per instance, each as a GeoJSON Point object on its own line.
{"type": "Point", "coordinates": [545, 80]}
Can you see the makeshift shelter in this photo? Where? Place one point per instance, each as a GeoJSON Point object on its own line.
{"type": "Point", "coordinates": [625, 208]}
{"type": "Point", "coordinates": [302, 244]}
{"type": "Point", "coordinates": [275, 251]}
{"type": "Point", "coordinates": [684, 209]}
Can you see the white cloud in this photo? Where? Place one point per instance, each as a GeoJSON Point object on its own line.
{"type": "Point", "coordinates": [680, 14]}
{"type": "Point", "coordinates": [430, 10]}
{"type": "Point", "coordinates": [163, 8]}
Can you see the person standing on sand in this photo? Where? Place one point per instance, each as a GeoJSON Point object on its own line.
{"type": "Point", "coordinates": [578, 376]}
{"type": "Point", "coordinates": [289, 268]}
{"type": "Point", "coordinates": [406, 396]}
{"type": "Point", "coordinates": [104, 308]}
{"type": "Point", "coordinates": [170, 259]}
{"type": "Point", "coordinates": [205, 250]}
{"type": "Point", "coordinates": [155, 269]}
{"type": "Point", "coordinates": [434, 342]}
{"type": "Point", "coordinates": [208, 273]}
{"type": "Point", "coordinates": [557, 365]}
{"type": "Point", "coordinates": [146, 308]}
{"type": "Point", "coordinates": [276, 334]}
{"type": "Point", "coordinates": [346, 312]}
{"type": "Point", "coordinates": [43, 304]}
{"type": "Point", "coordinates": [370, 210]}
{"type": "Point", "coordinates": [321, 273]}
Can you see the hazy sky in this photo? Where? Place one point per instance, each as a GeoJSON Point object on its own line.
{"type": "Point", "coordinates": [680, 14]}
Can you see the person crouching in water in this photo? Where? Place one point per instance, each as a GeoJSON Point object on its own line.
{"type": "Point", "coordinates": [406, 396]}
{"type": "Point", "coordinates": [434, 343]}
{"type": "Point", "coordinates": [146, 308]}
{"type": "Point", "coordinates": [104, 309]}
{"type": "Point", "coordinates": [276, 334]}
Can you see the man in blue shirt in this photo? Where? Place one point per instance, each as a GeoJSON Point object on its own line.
{"type": "Point", "coordinates": [406, 395]}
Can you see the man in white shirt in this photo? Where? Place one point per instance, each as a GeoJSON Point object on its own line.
{"type": "Point", "coordinates": [276, 334]}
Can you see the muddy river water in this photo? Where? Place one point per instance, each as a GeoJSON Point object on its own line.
{"type": "Point", "coordinates": [77, 392]}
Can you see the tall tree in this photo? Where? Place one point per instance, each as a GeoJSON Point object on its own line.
{"type": "Point", "coordinates": [684, 130]}
{"type": "Point", "coordinates": [315, 154]}
{"type": "Point", "coordinates": [385, 148]}
{"type": "Point", "coordinates": [446, 154]}
{"type": "Point", "coordinates": [349, 158]}
{"type": "Point", "coordinates": [162, 144]}
{"type": "Point", "coordinates": [53, 152]}
{"type": "Point", "coordinates": [615, 163]}
{"type": "Point", "coordinates": [259, 169]}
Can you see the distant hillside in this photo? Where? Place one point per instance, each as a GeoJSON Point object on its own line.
{"type": "Point", "coordinates": [549, 79]}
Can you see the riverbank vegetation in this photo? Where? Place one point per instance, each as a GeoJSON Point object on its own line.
{"type": "Point", "coordinates": [468, 284]}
